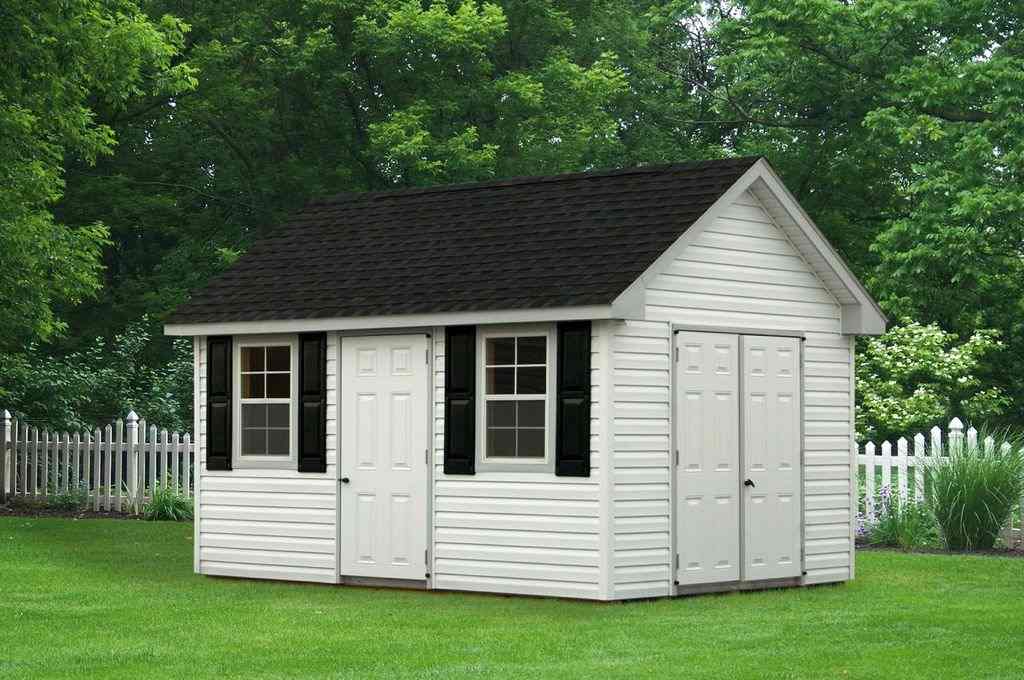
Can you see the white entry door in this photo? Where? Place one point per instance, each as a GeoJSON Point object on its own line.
{"type": "Point", "coordinates": [383, 470]}
{"type": "Point", "coordinates": [707, 476]}
{"type": "Point", "coordinates": [771, 457]}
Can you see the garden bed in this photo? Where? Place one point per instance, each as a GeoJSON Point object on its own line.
{"type": "Point", "coordinates": [994, 552]}
{"type": "Point", "coordinates": [24, 509]}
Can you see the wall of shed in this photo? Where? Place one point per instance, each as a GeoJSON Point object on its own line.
{"type": "Point", "coordinates": [274, 524]}
{"type": "Point", "coordinates": [741, 272]}
{"type": "Point", "coordinates": [527, 533]}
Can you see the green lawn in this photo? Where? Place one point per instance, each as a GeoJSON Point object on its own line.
{"type": "Point", "coordinates": [119, 599]}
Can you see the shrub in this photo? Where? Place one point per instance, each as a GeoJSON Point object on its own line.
{"type": "Point", "coordinates": [975, 489]}
{"type": "Point", "coordinates": [168, 504]}
{"type": "Point", "coordinates": [71, 500]}
{"type": "Point", "coordinates": [906, 524]}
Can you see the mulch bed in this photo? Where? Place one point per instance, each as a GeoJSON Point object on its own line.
{"type": "Point", "coordinates": [39, 510]}
{"type": "Point", "coordinates": [995, 552]}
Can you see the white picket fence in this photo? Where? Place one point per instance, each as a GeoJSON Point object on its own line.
{"type": "Point", "coordinates": [904, 471]}
{"type": "Point", "coordinates": [114, 469]}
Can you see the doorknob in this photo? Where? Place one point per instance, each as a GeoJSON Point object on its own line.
{"type": "Point", "coordinates": [749, 482]}
{"type": "Point", "coordinates": [344, 480]}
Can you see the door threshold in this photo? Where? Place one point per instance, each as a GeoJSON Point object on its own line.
{"type": "Point", "coordinates": [378, 582]}
{"type": "Point", "coordinates": [731, 586]}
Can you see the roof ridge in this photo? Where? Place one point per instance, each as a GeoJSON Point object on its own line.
{"type": "Point", "coordinates": [521, 180]}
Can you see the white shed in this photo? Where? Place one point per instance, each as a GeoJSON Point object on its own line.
{"type": "Point", "coordinates": [605, 385]}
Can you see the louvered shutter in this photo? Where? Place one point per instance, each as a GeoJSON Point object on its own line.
{"type": "Point", "coordinates": [313, 402]}
{"type": "Point", "coordinates": [218, 403]}
{"type": "Point", "coordinates": [460, 400]}
{"type": "Point", "coordinates": [572, 450]}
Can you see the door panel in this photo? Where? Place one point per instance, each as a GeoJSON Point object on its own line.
{"type": "Point", "coordinates": [771, 457]}
{"type": "Point", "coordinates": [707, 476]}
{"type": "Point", "coordinates": [384, 437]}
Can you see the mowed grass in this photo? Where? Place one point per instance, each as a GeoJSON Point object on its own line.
{"type": "Point", "coordinates": [106, 598]}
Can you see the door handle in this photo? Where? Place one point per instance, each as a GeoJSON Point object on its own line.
{"type": "Point", "coordinates": [749, 482]}
{"type": "Point", "coordinates": [344, 480]}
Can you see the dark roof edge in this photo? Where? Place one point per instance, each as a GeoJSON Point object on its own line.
{"type": "Point", "coordinates": [530, 179]}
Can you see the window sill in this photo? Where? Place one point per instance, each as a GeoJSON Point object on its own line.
{"type": "Point", "coordinates": [263, 463]}
{"type": "Point", "coordinates": [493, 465]}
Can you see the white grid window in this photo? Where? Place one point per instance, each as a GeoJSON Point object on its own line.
{"type": "Point", "coordinates": [265, 374]}
{"type": "Point", "coordinates": [515, 396]}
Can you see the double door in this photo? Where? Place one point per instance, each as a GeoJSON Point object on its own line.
{"type": "Point", "coordinates": [738, 476]}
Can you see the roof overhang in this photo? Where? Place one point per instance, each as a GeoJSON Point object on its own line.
{"type": "Point", "coordinates": [627, 308]}
{"type": "Point", "coordinates": [861, 315]}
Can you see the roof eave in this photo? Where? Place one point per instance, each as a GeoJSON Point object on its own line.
{"type": "Point", "coordinates": [618, 310]}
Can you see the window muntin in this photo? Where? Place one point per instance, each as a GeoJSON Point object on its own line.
{"type": "Point", "coordinates": [265, 416]}
{"type": "Point", "coordinates": [515, 397]}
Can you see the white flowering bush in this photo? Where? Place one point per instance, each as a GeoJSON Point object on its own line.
{"type": "Point", "coordinates": [916, 376]}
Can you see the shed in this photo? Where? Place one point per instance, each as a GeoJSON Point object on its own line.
{"type": "Point", "coordinates": [604, 385]}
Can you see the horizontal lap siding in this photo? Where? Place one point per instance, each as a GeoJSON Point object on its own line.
{"type": "Point", "coordinates": [516, 532]}
{"type": "Point", "coordinates": [640, 425]}
{"type": "Point", "coordinates": [743, 272]}
{"type": "Point", "coordinates": [274, 524]}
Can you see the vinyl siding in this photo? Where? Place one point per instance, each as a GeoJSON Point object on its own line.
{"type": "Point", "coordinates": [742, 271]}
{"type": "Point", "coordinates": [640, 425]}
{"type": "Point", "coordinates": [273, 524]}
{"type": "Point", "coordinates": [529, 533]}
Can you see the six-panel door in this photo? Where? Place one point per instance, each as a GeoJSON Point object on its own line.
{"type": "Point", "coordinates": [707, 476]}
{"type": "Point", "coordinates": [383, 470]}
{"type": "Point", "coordinates": [771, 457]}
{"type": "Point", "coordinates": [738, 477]}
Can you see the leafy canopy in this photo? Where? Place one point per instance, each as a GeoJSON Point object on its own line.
{"type": "Point", "coordinates": [59, 64]}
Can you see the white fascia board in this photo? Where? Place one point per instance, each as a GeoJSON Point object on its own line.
{"type": "Point", "coordinates": [866, 317]}
{"type": "Point", "coordinates": [357, 323]}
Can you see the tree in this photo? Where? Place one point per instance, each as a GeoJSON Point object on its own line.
{"type": "Point", "coordinates": [917, 376]}
{"type": "Point", "coordinates": [899, 125]}
{"type": "Point", "coordinates": [59, 63]}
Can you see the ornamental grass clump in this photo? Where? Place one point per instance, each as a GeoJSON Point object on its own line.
{"type": "Point", "coordinates": [975, 488]}
{"type": "Point", "coordinates": [168, 504]}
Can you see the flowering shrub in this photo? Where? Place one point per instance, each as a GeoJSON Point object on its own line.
{"type": "Point", "coordinates": [918, 375]}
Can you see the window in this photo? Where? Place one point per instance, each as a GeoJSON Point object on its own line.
{"type": "Point", "coordinates": [266, 390]}
{"type": "Point", "coordinates": [516, 384]}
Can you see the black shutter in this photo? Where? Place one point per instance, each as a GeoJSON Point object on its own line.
{"type": "Point", "coordinates": [313, 402]}
{"type": "Point", "coordinates": [572, 449]}
{"type": "Point", "coordinates": [218, 403]}
{"type": "Point", "coordinates": [460, 400]}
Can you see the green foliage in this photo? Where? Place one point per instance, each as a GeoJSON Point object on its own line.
{"type": "Point", "coordinates": [167, 504]}
{"type": "Point", "coordinates": [974, 492]}
{"type": "Point", "coordinates": [60, 65]}
{"type": "Point", "coordinates": [917, 376]}
{"type": "Point", "coordinates": [899, 126]}
{"type": "Point", "coordinates": [101, 382]}
{"type": "Point", "coordinates": [906, 524]}
{"type": "Point", "coordinates": [72, 500]}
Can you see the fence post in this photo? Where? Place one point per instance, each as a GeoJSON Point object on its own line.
{"type": "Point", "coordinates": [869, 480]}
{"type": "Point", "coordinates": [901, 468]}
{"type": "Point", "coordinates": [956, 434]}
{"type": "Point", "coordinates": [919, 469]}
{"type": "Point", "coordinates": [5, 440]}
{"type": "Point", "coordinates": [133, 461]}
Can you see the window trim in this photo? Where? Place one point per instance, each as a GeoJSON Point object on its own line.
{"type": "Point", "coordinates": [238, 460]}
{"type": "Point", "coordinates": [490, 464]}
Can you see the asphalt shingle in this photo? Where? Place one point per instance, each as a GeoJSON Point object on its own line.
{"type": "Point", "coordinates": [524, 243]}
